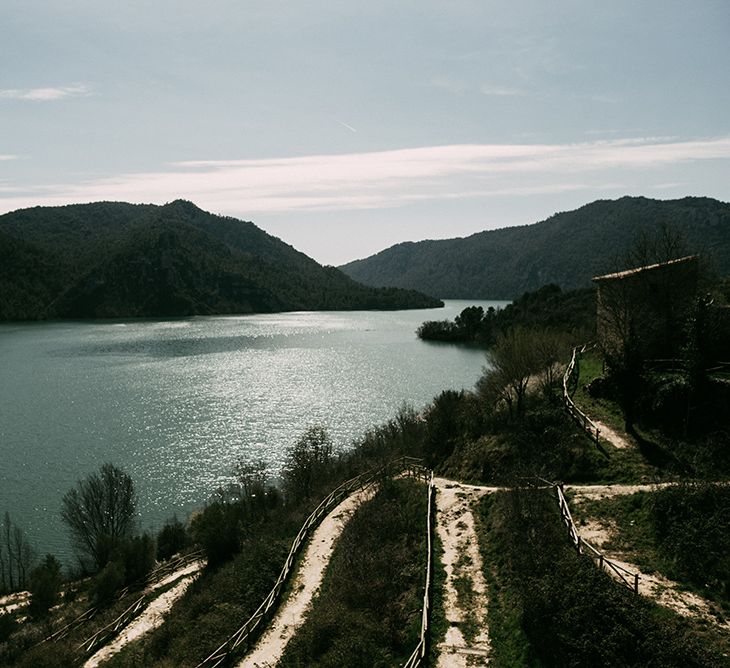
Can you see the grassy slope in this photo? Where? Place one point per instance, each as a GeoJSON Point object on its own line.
{"type": "Point", "coordinates": [552, 607]}
{"type": "Point", "coordinates": [368, 610]}
{"type": "Point", "coordinates": [702, 535]}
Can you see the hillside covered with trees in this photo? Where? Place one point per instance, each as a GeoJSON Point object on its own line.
{"type": "Point", "coordinates": [566, 249]}
{"type": "Point", "coordinates": [549, 307]}
{"type": "Point", "coordinates": [112, 259]}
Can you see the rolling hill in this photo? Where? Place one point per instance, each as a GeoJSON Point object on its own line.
{"type": "Point", "coordinates": [566, 249]}
{"type": "Point", "coordinates": [112, 259]}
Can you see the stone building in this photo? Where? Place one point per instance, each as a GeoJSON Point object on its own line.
{"type": "Point", "coordinates": [646, 308]}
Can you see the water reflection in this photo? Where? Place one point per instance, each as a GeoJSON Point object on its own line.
{"type": "Point", "coordinates": [177, 402]}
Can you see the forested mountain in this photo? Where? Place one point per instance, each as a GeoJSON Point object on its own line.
{"type": "Point", "coordinates": [111, 259]}
{"type": "Point", "coordinates": [566, 249]}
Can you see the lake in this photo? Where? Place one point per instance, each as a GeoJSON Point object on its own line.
{"type": "Point", "coordinates": [177, 402]}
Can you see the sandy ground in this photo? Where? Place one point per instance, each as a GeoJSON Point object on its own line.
{"type": "Point", "coordinates": [270, 647]}
{"type": "Point", "coordinates": [461, 559]}
{"type": "Point", "coordinates": [14, 601]}
{"type": "Point", "coordinates": [597, 492]}
{"type": "Point", "coordinates": [664, 591]}
{"type": "Point", "coordinates": [153, 615]}
{"type": "Point", "coordinates": [612, 436]}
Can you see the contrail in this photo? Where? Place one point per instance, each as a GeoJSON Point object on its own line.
{"type": "Point", "coordinates": [345, 125]}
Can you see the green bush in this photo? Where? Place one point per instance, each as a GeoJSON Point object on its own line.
{"type": "Point", "coordinates": [172, 538]}
{"type": "Point", "coordinates": [692, 529]}
{"type": "Point", "coordinates": [7, 626]}
{"type": "Point", "coordinates": [45, 584]}
{"type": "Point", "coordinates": [218, 530]}
{"type": "Point", "coordinates": [107, 583]}
{"type": "Point", "coordinates": [138, 556]}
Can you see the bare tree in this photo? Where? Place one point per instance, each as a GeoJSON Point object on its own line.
{"type": "Point", "coordinates": [16, 556]}
{"type": "Point", "coordinates": [24, 556]}
{"type": "Point", "coordinates": [513, 360]}
{"type": "Point", "coordinates": [307, 462]}
{"type": "Point", "coordinates": [251, 476]}
{"type": "Point", "coordinates": [7, 537]}
{"type": "Point", "coordinates": [3, 579]}
{"type": "Point", "coordinates": [100, 511]}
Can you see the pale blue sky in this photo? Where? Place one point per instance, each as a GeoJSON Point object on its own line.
{"type": "Point", "coordinates": [344, 127]}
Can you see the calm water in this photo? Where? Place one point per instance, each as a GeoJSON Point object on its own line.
{"type": "Point", "coordinates": [177, 402]}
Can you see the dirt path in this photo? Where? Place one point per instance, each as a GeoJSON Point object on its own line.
{"type": "Point", "coordinates": [612, 436]}
{"type": "Point", "coordinates": [153, 615]}
{"type": "Point", "coordinates": [664, 591]}
{"type": "Point", "coordinates": [597, 492]}
{"type": "Point", "coordinates": [465, 591]}
{"type": "Point", "coordinates": [291, 616]}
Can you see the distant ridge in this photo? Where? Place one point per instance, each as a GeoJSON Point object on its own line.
{"type": "Point", "coordinates": [112, 259]}
{"type": "Point", "coordinates": [566, 249]}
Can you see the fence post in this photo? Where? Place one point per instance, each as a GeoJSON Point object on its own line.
{"type": "Point", "coordinates": [636, 583]}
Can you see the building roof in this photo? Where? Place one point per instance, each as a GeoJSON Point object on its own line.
{"type": "Point", "coordinates": [650, 267]}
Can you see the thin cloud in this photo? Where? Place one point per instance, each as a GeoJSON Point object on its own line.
{"type": "Point", "coordinates": [501, 91]}
{"type": "Point", "coordinates": [450, 85]}
{"type": "Point", "coordinates": [45, 94]}
{"type": "Point", "coordinates": [387, 179]}
{"type": "Point", "coordinates": [8, 157]}
{"type": "Point", "coordinates": [457, 87]}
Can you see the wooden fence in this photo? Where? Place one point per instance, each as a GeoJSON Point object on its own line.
{"type": "Point", "coordinates": [244, 637]}
{"type": "Point", "coordinates": [103, 635]}
{"type": "Point", "coordinates": [626, 577]}
{"type": "Point", "coordinates": [585, 423]}
{"type": "Point", "coordinates": [420, 654]}
{"type": "Point", "coordinates": [160, 572]}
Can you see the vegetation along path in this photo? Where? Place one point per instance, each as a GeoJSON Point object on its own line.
{"type": "Point", "coordinates": [465, 592]}
{"type": "Point", "coordinates": [153, 615]}
{"type": "Point", "coordinates": [307, 581]}
{"type": "Point", "coordinates": [661, 589]}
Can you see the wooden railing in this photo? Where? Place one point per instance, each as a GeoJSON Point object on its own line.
{"type": "Point", "coordinates": [156, 575]}
{"type": "Point", "coordinates": [243, 638]}
{"type": "Point", "coordinates": [103, 635]}
{"type": "Point", "coordinates": [626, 577]}
{"type": "Point", "coordinates": [590, 427]}
{"type": "Point", "coordinates": [419, 656]}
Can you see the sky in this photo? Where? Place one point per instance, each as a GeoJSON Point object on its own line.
{"type": "Point", "coordinates": [346, 127]}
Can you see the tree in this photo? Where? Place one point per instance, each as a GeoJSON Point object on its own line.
{"type": "Point", "coordinates": [470, 320]}
{"type": "Point", "coordinates": [513, 360]}
{"type": "Point", "coordinates": [99, 512]}
{"type": "Point", "coordinates": [307, 462]}
{"type": "Point", "coordinates": [172, 538]}
{"type": "Point", "coordinates": [16, 556]}
{"type": "Point", "coordinates": [8, 562]}
{"type": "Point", "coordinates": [45, 584]}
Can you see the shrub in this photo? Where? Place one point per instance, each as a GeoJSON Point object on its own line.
{"type": "Point", "coordinates": [218, 530]}
{"type": "Point", "coordinates": [138, 556]}
{"type": "Point", "coordinates": [692, 529]}
{"type": "Point", "coordinates": [7, 626]}
{"type": "Point", "coordinates": [172, 538]}
{"type": "Point", "coordinates": [45, 583]}
{"type": "Point", "coordinates": [107, 583]}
